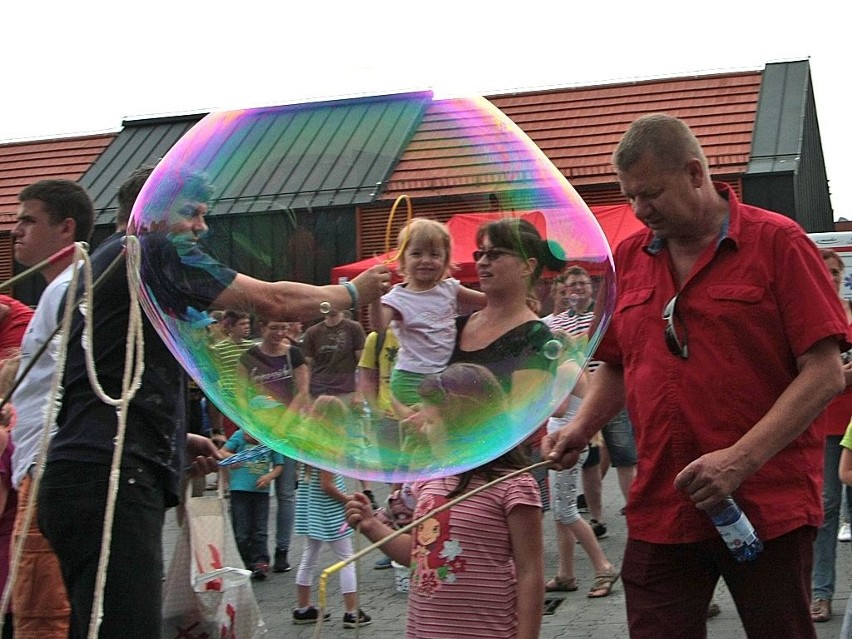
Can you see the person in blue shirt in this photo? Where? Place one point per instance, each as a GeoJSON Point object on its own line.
{"type": "Point", "coordinates": [249, 482]}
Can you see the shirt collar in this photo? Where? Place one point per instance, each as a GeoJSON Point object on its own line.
{"type": "Point", "coordinates": [730, 225]}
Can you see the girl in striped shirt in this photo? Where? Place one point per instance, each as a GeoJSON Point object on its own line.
{"type": "Point", "coordinates": [476, 568]}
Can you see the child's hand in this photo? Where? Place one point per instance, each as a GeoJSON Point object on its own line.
{"type": "Point", "coordinates": [264, 480]}
{"type": "Point", "coordinates": [359, 511]}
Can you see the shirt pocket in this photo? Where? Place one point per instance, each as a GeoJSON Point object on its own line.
{"type": "Point", "coordinates": [736, 306]}
{"type": "Point", "coordinates": [737, 293]}
{"type": "Point", "coordinates": [635, 317]}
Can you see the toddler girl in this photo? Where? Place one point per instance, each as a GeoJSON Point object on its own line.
{"type": "Point", "coordinates": [422, 310]}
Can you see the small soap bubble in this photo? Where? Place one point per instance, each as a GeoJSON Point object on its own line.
{"type": "Point", "coordinates": [552, 349]}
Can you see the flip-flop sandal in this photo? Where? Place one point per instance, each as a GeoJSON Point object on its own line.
{"type": "Point", "coordinates": [602, 587]}
{"type": "Point", "coordinates": [561, 584]}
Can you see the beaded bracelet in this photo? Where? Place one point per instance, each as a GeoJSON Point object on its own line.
{"type": "Point", "coordinates": [353, 293]}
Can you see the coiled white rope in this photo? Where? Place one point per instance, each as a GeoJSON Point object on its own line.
{"type": "Point", "coordinates": [132, 379]}
{"type": "Point", "coordinates": [134, 366]}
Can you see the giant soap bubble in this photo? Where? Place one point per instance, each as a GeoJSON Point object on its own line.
{"type": "Point", "coordinates": [238, 162]}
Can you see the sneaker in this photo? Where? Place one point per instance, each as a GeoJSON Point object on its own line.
{"type": "Point", "coordinates": [820, 611]}
{"type": "Point", "coordinates": [582, 506]}
{"type": "Point", "coordinates": [382, 564]}
{"type": "Point", "coordinates": [349, 620]}
{"type": "Point", "coordinates": [281, 564]}
{"type": "Point", "coordinates": [369, 495]}
{"type": "Point", "coordinates": [845, 532]}
{"type": "Point", "coordinates": [311, 615]}
{"type": "Point", "coordinates": [259, 571]}
{"type": "Point", "coordinates": [598, 528]}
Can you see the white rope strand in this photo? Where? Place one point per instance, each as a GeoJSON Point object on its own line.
{"type": "Point", "coordinates": [134, 366]}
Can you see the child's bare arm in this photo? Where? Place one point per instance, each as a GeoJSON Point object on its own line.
{"type": "Point", "coordinates": [330, 489]}
{"type": "Point", "coordinates": [360, 517]}
{"type": "Point", "coordinates": [845, 469]}
{"type": "Point", "coordinates": [265, 480]}
{"type": "Point", "coordinates": [528, 552]}
{"type": "Point", "coordinates": [381, 315]}
{"type": "Point", "coordinates": [468, 297]}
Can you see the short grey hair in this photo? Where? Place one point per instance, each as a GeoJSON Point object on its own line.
{"type": "Point", "coordinates": [668, 139]}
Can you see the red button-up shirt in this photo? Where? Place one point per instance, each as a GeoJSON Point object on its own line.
{"type": "Point", "coordinates": [835, 418]}
{"type": "Point", "coordinates": [755, 300]}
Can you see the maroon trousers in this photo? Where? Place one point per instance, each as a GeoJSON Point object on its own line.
{"type": "Point", "coordinates": [669, 586]}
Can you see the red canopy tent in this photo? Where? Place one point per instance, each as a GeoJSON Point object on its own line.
{"type": "Point", "coordinates": [616, 221]}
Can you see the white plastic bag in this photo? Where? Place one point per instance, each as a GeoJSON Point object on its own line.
{"type": "Point", "coordinates": [208, 592]}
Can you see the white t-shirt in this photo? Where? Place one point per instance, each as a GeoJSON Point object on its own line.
{"type": "Point", "coordinates": [427, 332]}
{"type": "Point", "coordinates": [30, 399]}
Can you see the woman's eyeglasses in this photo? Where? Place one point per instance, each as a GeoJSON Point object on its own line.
{"type": "Point", "coordinates": [676, 343]}
{"type": "Point", "coordinates": [492, 254]}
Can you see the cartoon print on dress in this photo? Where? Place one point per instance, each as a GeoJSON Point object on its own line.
{"type": "Point", "coordinates": [436, 557]}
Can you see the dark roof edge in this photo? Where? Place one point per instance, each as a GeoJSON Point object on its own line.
{"type": "Point", "coordinates": [163, 119]}
{"type": "Point", "coordinates": [197, 115]}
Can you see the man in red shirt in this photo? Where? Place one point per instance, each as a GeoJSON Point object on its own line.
{"type": "Point", "coordinates": [722, 368]}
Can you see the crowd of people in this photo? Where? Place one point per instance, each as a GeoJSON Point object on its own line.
{"type": "Point", "coordinates": [712, 381]}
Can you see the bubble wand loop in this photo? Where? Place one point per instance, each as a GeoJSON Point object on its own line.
{"type": "Point", "coordinates": [410, 214]}
{"type": "Point", "coordinates": [323, 580]}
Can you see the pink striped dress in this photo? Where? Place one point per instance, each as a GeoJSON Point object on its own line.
{"type": "Point", "coordinates": [462, 580]}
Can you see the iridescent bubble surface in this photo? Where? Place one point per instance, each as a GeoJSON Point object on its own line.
{"type": "Point", "coordinates": [213, 163]}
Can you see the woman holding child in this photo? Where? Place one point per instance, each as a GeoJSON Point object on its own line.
{"type": "Point", "coordinates": [498, 360]}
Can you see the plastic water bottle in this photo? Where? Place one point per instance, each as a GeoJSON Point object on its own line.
{"type": "Point", "coordinates": [736, 530]}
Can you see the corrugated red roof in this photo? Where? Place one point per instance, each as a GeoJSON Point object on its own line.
{"type": "Point", "coordinates": [578, 128]}
{"type": "Point", "coordinates": [22, 163]}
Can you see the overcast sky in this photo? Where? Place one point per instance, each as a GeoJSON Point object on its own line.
{"type": "Point", "coordinates": [71, 68]}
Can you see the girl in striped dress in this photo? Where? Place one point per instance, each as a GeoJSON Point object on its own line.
{"type": "Point", "coordinates": [477, 569]}
{"type": "Point", "coordinates": [320, 499]}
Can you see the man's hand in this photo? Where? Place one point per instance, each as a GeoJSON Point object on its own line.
{"type": "Point", "coordinates": [372, 283]}
{"type": "Point", "coordinates": [563, 447]}
{"type": "Point", "coordinates": [202, 455]}
{"type": "Point", "coordinates": [712, 477]}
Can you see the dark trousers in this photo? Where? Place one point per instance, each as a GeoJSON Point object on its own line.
{"type": "Point", "coordinates": [250, 519]}
{"type": "Point", "coordinates": [669, 586]}
{"type": "Point", "coordinates": [72, 504]}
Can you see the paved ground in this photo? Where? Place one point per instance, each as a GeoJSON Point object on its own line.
{"type": "Point", "coordinates": [576, 616]}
